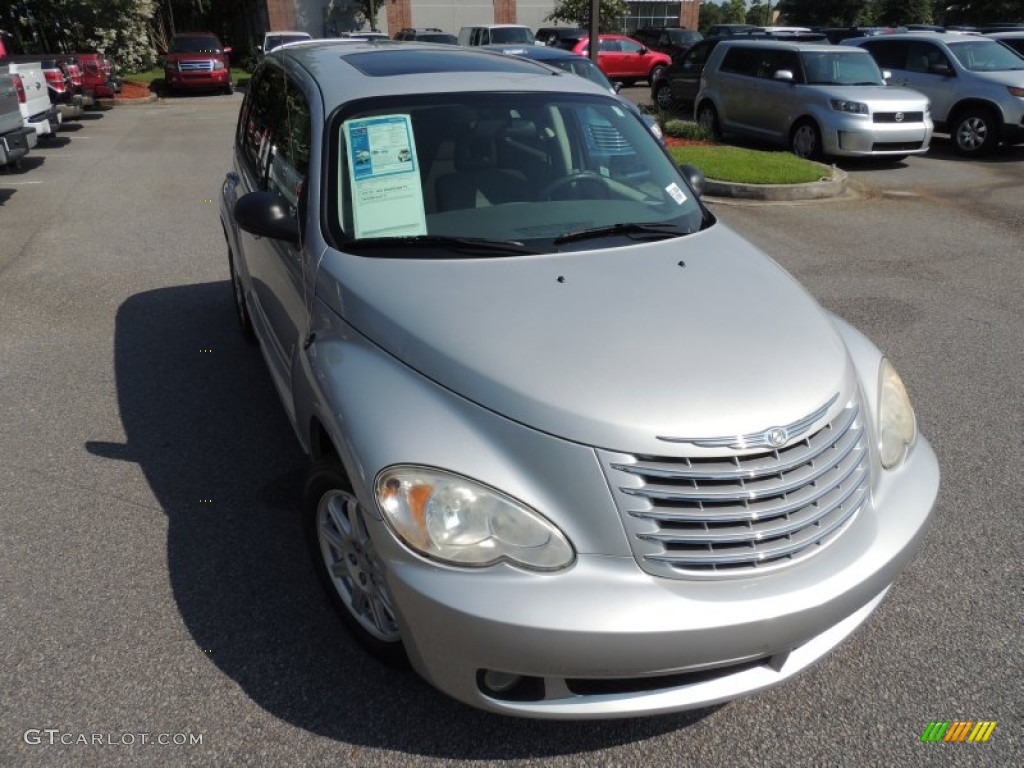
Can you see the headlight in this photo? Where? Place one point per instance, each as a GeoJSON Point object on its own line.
{"type": "Point", "coordinates": [217, 64]}
{"type": "Point", "coordinates": [855, 107]}
{"type": "Point", "coordinates": [1014, 91]}
{"type": "Point", "coordinates": [461, 522]}
{"type": "Point", "coordinates": [897, 427]}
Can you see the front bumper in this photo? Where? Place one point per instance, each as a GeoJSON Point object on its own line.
{"type": "Point", "coordinates": [604, 639]}
{"type": "Point", "coordinates": [198, 80]}
{"type": "Point", "coordinates": [857, 136]}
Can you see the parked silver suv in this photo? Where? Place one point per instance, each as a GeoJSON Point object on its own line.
{"type": "Point", "coordinates": [817, 99]}
{"type": "Point", "coordinates": [975, 84]}
{"type": "Point", "coordinates": [579, 450]}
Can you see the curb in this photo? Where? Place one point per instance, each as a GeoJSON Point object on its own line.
{"type": "Point", "coordinates": [834, 186]}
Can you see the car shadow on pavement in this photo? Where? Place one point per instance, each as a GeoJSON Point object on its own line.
{"type": "Point", "coordinates": [205, 425]}
{"type": "Point", "coordinates": [6, 194]}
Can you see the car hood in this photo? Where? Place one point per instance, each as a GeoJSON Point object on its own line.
{"type": "Point", "coordinates": [702, 336]}
{"type": "Point", "coordinates": [1010, 77]}
{"type": "Point", "coordinates": [878, 96]}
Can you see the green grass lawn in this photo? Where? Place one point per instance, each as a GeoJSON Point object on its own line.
{"type": "Point", "coordinates": [146, 77]}
{"type": "Point", "coordinates": [750, 166]}
{"type": "Point", "coordinates": [155, 78]}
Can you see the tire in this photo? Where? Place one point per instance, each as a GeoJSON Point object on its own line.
{"type": "Point", "coordinates": [662, 96]}
{"type": "Point", "coordinates": [975, 132]}
{"type": "Point", "coordinates": [241, 310]}
{"type": "Point", "coordinates": [656, 72]}
{"type": "Point", "coordinates": [707, 118]}
{"type": "Point", "coordinates": [805, 140]}
{"type": "Point", "coordinates": [229, 89]}
{"type": "Point", "coordinates": [347, 564]}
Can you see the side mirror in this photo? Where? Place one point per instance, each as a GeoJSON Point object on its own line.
{"type": "Point", "coordinates": [617, 86]}
{"type": "Point", "coordinates": [643, 50]}
{"type": "Point", "coordinates": [265, 214]}
{"type": "Point", "coordinates": [886, 75]}
{"type": "Point", "coordinates": [941, 69]}
{"type": "Point", "coordinates": [784, 75]}
{"type": "Point", "coordinates": [693, 175]}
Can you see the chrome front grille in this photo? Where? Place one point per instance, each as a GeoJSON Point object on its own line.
{"type": "Point", "coordinates": [195, 66]}
{"type": "Point", "coordinates": [736, 512]}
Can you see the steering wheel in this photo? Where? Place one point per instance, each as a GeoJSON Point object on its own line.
{"type": "Point", "coordinates": [577, 178]}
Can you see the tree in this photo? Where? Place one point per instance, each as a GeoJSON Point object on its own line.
{"type": "Point", "coordinates": [823, 13]}
{"type": "Point", "coordinates": [759, 15]}
{"type": "Point", "coordinates": [734, 12]}
{"type": "Point", "coordinates": [610, 14]}
{"type": "Point", "coordinates": [710, 14]}
{"type": "Point", "coordinates": [115, 28]}
{"type": "Point", "coordinates": [895, 12]}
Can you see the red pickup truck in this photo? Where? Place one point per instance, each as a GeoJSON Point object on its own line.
{"type": "Point", "coordinates": [196, 61]}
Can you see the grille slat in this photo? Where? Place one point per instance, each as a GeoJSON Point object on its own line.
{"type": "Point", "coordinates": [750, 468]}
{"type": "Point", "coordinates": [798, 478]}
{"type": "Point", "coordinates": [727, 513]}
{"type": "Point", "coordinates": [807, 497]}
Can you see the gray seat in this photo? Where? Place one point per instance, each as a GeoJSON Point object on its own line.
{"type": "Point", "coordinates": [478, 181]}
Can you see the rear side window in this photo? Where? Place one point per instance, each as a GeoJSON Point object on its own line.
{"type": "Point", "coordinates": [890, 54]}
{"type": "Point", "coordinates": [741, 61]}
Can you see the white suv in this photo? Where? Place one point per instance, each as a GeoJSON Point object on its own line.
{"type": "Point", "coordinates": [817, 99]}
{"type": "Point", "coordinates": [975, 84]}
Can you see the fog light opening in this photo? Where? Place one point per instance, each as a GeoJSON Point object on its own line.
{"type": "Point", "coordinates": [507, 686]}
{"type": "Point", "coordinates": [500, 682]}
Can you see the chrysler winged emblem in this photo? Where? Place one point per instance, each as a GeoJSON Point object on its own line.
{"type": "Point", "coordinates": [772, 437]}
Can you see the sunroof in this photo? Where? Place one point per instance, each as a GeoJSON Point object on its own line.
{"type": "Point", "coordinates": [385, 63]}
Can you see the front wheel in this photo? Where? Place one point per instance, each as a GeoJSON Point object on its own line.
{"type": "Point", "coordinates": [662, 96]}
{"type": "Point", "coordinates": [707, 118]}
{"type": "Point", "coordinates": [975, 132]}
{"type": "Point", "coordinates": [805, 140]}
{"type": "Point", "coordinates": [347, 563]}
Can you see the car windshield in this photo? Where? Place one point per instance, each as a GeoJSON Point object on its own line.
{"type": "Point", "coordinates": [511, 35]}
{"type": "Point", "coordinates": [541, 171]}
{"type": "Point", "coordinates": [840, 68]}
{"type": "Point", "coordinates": [986, 56]}
{"type": "Point", "coordinates": [195, 44]}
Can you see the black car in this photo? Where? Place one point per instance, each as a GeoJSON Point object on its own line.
{"type": "Point", "coordinates": [560, 37]}
{"type": "Point", "coordinates": [674, 41]}
{"type": "Point", "coordinates": [427, 35]}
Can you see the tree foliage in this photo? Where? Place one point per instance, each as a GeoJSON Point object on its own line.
{"type": "Point", "coordinates": [116, 28]}
{"type": "Point", "coordinates": [577, 12]}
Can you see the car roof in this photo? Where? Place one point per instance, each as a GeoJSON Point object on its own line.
{"type": "Point", "coordinates": [384, 67]}
{"type": "Point", "coordinates": [787, 45]}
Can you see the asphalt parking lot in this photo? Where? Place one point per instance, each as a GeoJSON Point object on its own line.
{"type": "Point", "coordinates": [153, 577]}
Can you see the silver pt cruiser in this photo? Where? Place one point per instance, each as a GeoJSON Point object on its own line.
{"type": "Point", "coordinates": [579, 451]}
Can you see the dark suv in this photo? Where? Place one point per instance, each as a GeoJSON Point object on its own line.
{"type": "Point", "coordinates": [196, 61]}
{"type": "Point", "coordinates": [427, 35]}
{"type": "Point", "coordinates": [674, 41]}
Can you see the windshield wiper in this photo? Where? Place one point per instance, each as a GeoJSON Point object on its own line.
{"type": "Point", "coordinates": [463, 245]}
{"type": "Point", "coordinates": [639, 231]}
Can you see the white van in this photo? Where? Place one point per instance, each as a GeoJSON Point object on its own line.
{"type": "Point", "coordinates": [493, 34]}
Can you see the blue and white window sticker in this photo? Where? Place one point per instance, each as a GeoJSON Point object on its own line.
{"type": "Point", "coordinates": [387, 199]}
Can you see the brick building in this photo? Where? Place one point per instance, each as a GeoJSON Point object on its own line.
{"type": "Point", "coordinates": [323, 18]}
